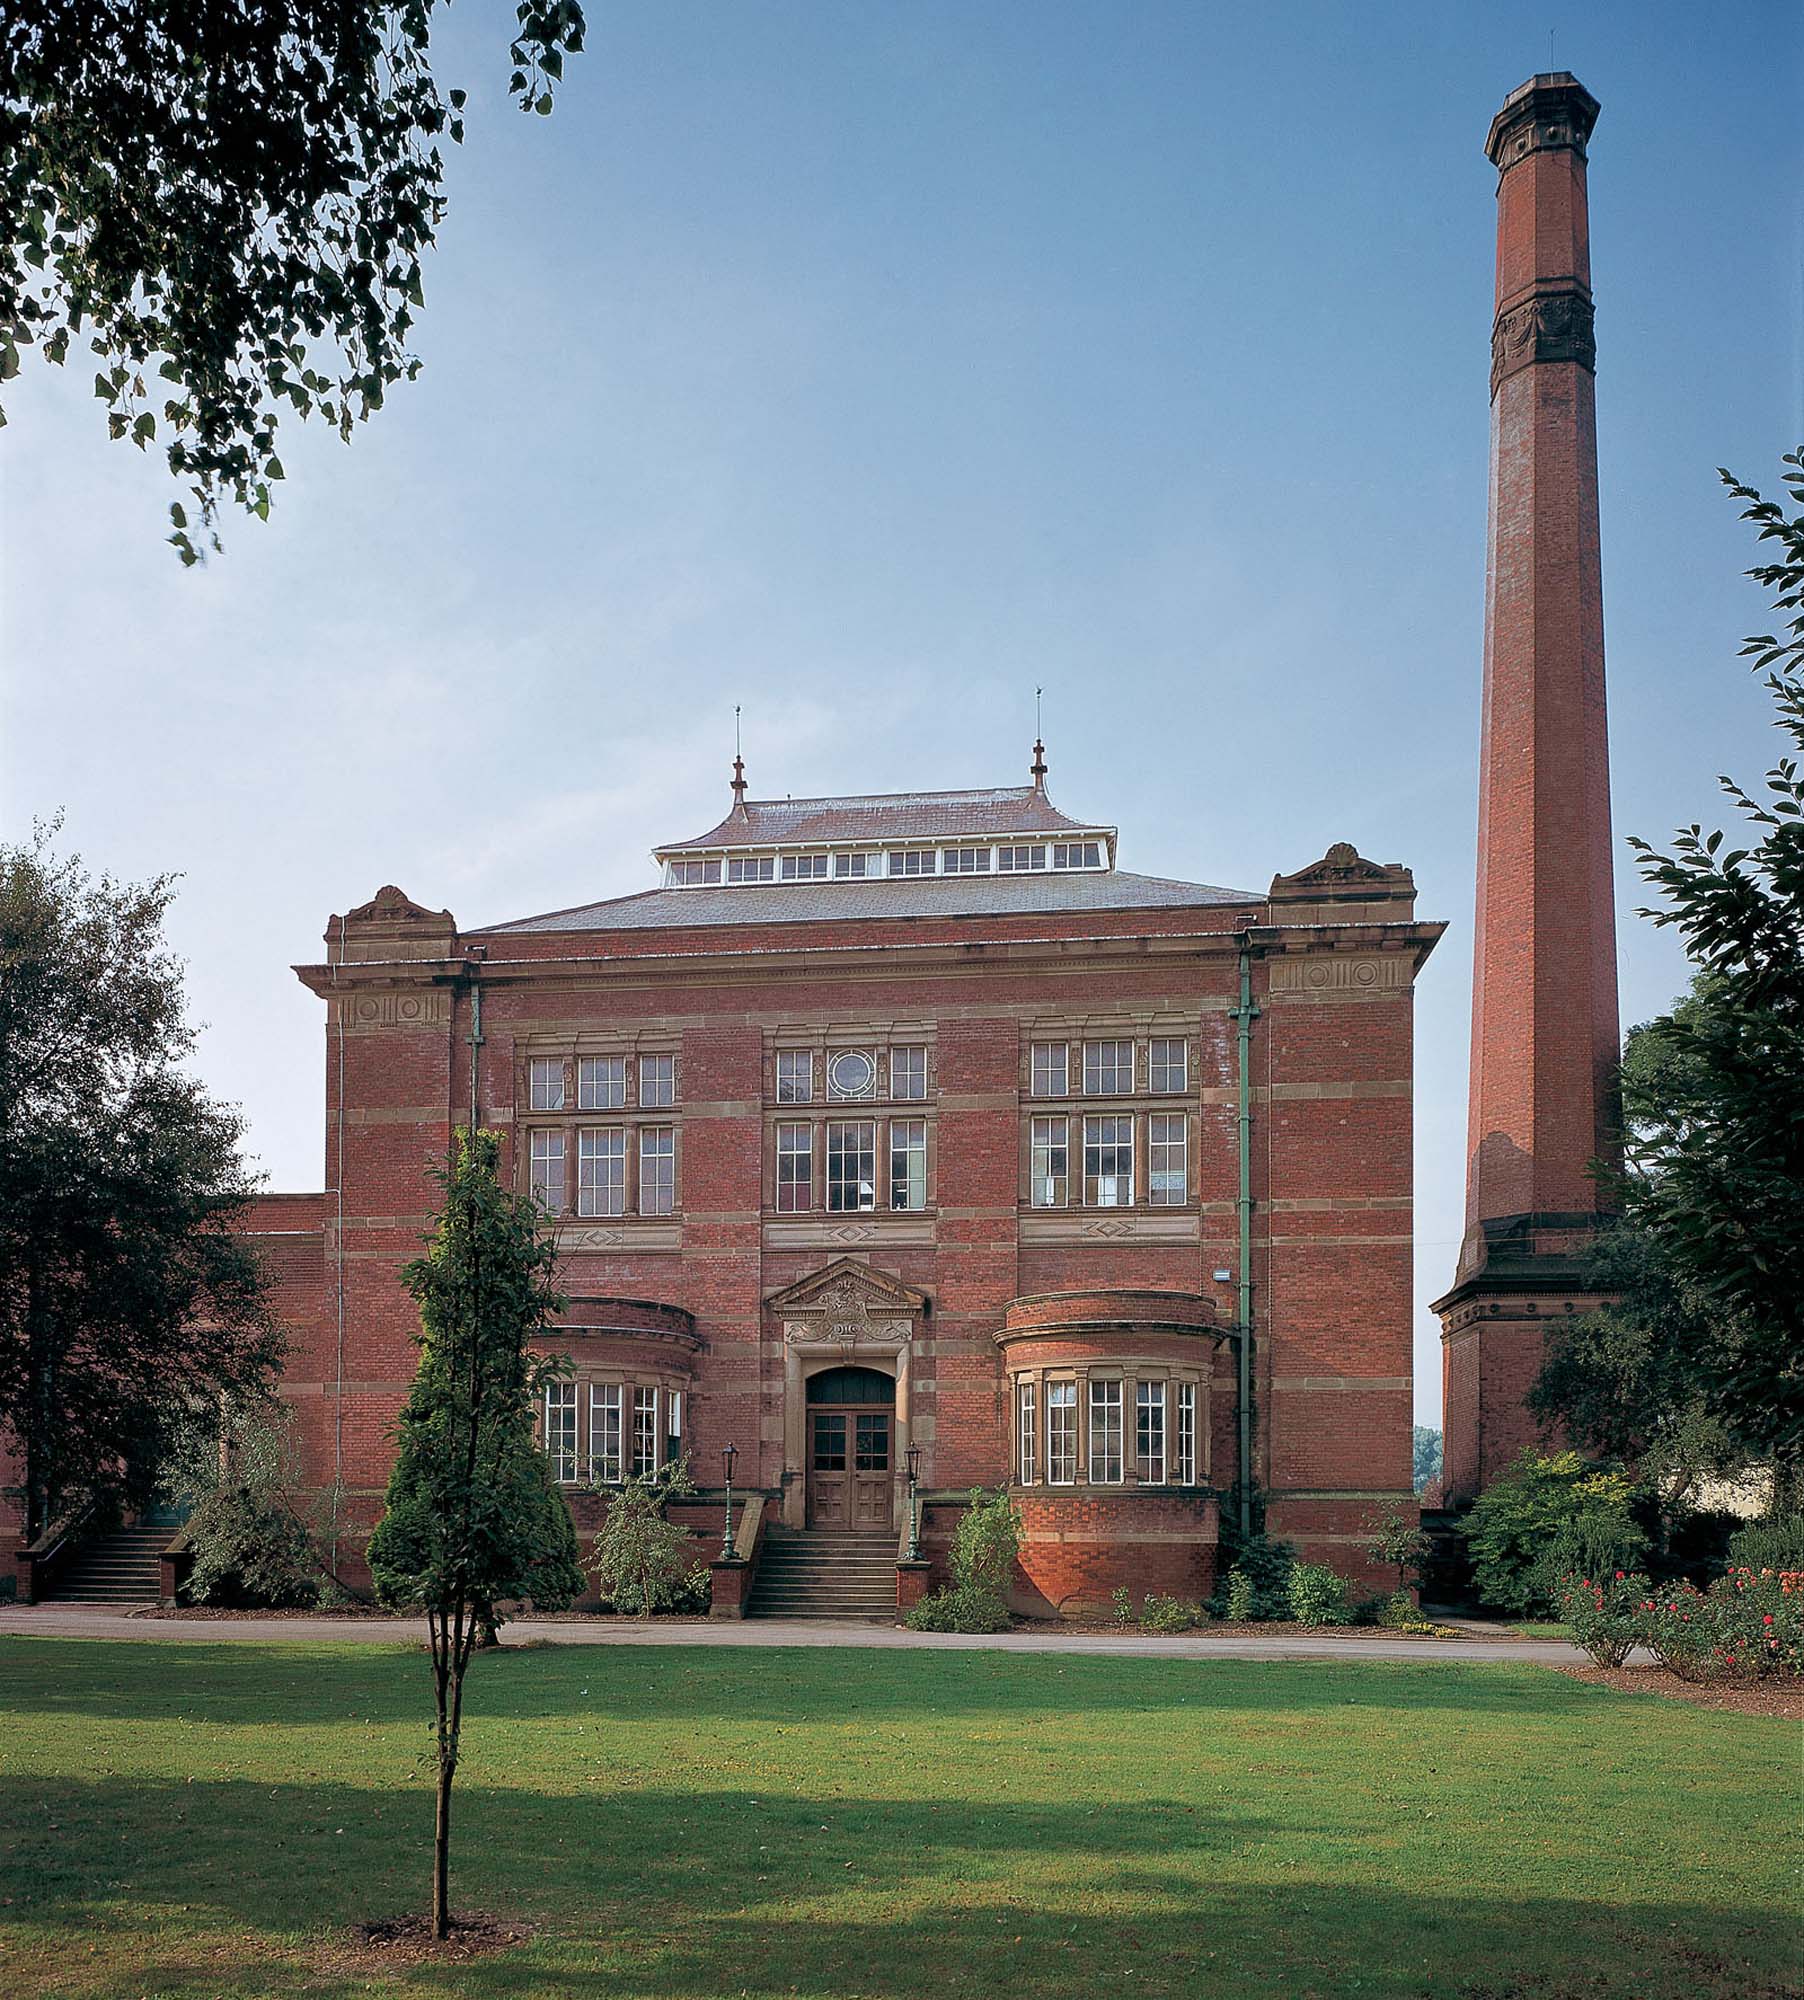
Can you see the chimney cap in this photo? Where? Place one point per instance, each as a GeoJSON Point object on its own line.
{"type": "Point", "coordinates": [1549, 112]}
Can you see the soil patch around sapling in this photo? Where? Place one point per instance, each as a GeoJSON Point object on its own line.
{"type": "Point", "coordinates": [395, 1941]}
{"type": "Point", "coordinates": [1779, 1701]}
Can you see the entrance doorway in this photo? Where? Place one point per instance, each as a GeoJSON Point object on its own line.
{"type": "Point", "coordinates": [851, 1449]}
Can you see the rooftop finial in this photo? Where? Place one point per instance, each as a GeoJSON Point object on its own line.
{"type": "Point", "coordinates": [738, 763]}
{"type": "Point", "coordinates": [1039, 763]}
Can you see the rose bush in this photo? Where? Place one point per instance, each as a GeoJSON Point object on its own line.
{"type": "Point", "coordinates": [1747, 1626]}
{"type": "Point", "coordinates": [1604, 1617]}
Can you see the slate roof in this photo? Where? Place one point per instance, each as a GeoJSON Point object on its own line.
{"type": "Point", "coordinates": [884, 896]}
{"type": "Point", "coordinates": [999, 810]}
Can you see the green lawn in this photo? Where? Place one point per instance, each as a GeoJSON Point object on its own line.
{"type": "Point", "coordinates": [180, 1819]}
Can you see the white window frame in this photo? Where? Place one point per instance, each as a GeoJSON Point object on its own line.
{"type": "Point", "coordinates": [561, 1432]}
{"type": "Point", "coordinates": [607, 1434]}
{"type": "Point", "coordinates": [1049, 1161]}
{"type": "Point", "coordinates": [908, 1073]}
{"type": "Point", "coordinates": [1020, 858]}
{"type": "Point", "coordinates": [657, 1083]}
{"type": "Point", "coordinates": [856, 867]}
{"type": "Point", "coordinates": [692, 874]}
{"type": "Point", "coordinates": [792, 1185]}
{"type": "Point", "coordinates": [859, 1185]}
{"type": "Point", "coordinates": [1113, 1189]}
{"type": "Point", "coordinates": [1163, 1075]}
{"type": "Point", "coordinates": [545, 1083]}
{"type": "Point", "coordinates": [1168, 1158]}
{"type": "Point", "coordinates": [795, 1076]}
{"type": "Point", "coordinates": [1103, 1064]}
{"type": "Point", "coordinates": [836, 1093]}
{"type": "Point", "coordinates": [1108, 1466]}
{"type": "Point", "coordinates": [1027, 1442]}
{"type": "Point", "coordinates": [805, 867]}
{"type": "Point", "coordinates": [601, 1170]}
{"type": "Point", "coordinates": [1150, 1440]}
{"type": "Point", "coordinates": [1049, 1069]}
{"type": "Point", "coordinates": [545, 1168]}
{"type": "Point", "coordinates": [751, 868]}
{"type": "Point", "coordinates": [657, 1169]}
{"type": "Point", "coordinates": [1061, 1432]}
{"type": "Point", "coordinates": [645, 1442]}
{"type": "Point", "coordinates": [914, 861]}
{"type": "Point", "coordinates": [601, 1083]}
{"type": "Point", "coordinates": [1077, 854]}
{"type": "Point", "coordinates": [1184, 1457]}
{"type": "Point", "coordinates": [908, 1164]}
{"type": "Point", "coordinates": [964, 861]}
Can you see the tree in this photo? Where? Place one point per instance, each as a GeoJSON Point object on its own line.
{"type": "Point", "coordinates": [235, 1472]}
{"type": "Point", "coordinates": [1714, 1170]}
{"type": "Point", "coordinates": [1425, 1454]}
{"type": "Point", "coordinates": [1398, 1543]}
{"type": "Point", "coordinates": [126, 1296]}
{"type": "Point", "coordinates": [639, 1555]}
{"type": "Point", "coordinates": [472, 1516]}
{"type": "Point", "coordinates": [232, 202]}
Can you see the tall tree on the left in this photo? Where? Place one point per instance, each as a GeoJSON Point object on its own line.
{"type": "Point", "coordinates": [126, 1296]}
{"type": "Point", "coordinates": [229, 205]}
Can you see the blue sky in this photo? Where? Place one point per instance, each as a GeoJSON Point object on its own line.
{"type": "Point", "coordinates": [870, 366]}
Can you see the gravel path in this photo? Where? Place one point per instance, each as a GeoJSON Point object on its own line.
{"type": "Point", "coordinates": [70, 1621]}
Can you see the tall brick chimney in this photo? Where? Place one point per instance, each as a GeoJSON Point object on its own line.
{"type": "Point", "coordinates": [1544, 1020]}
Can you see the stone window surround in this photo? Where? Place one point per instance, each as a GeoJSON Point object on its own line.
{"type": "Point", "coordinates": [817, 1118]}
{"type": "Point", "coordinates": [573, 1124]}
{"type": "Point", "coordinates": [873, 1038]}
{"type": "Point", "coordinates": [586, 1375]}
{"type": "Point", "coordinates": [1141, 1110]}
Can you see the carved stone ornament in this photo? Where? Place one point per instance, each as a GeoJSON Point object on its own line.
{"type": "Point", "coordinates": [390, 905]}
{"type": "Point", "coordinates": [1552, 326]}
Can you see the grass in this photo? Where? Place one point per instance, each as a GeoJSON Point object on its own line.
{"type": "Point", "coordinates": [1540, 1628]}
{"type": "Point", "coordinates": [194, 1820]}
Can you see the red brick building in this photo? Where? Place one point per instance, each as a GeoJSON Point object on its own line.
{"type": "Point", "coordinates": [904, 1121]}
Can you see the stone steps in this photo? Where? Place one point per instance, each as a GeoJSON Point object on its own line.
{"type": "Point", "coordinates": [120, 1568]}
{"type": "Point", "coordinates": [833, 1573]}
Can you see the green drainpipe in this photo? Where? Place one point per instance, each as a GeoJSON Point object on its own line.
{"type": "Point", "coordinates": [1244, 1016]}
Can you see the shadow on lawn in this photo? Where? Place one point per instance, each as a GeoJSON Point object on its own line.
{"type": "Point", "coordinates": [669, 1897]}
{"type": "Point", "coordinates": [238, 1685]}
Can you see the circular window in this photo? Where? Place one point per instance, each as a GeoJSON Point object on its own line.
{"type": "Point", "coordinates": [851, 1073]}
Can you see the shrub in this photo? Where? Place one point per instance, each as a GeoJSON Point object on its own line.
{"type": "Point", "coordinates": [1398, 1613]}
{"type": "Point", "coordinates": [1318, 1596]}
{"type": "Point", "coordinates": [1161, 1613]}
{"type": "Point", "coordinates": [1550, 1514]}
{"type": "Point", "coordinates": [642, 1559]}
{"type": "Point", "coordinates": [1604, 1617]}
{"type": "Point", "coordinates": [1123, 1606]}
{"type": "Point", "coordinates": [1265, 1565]}
{"type": "Point", "coordinates": [234, 1473]}
{"type": "Point", "coordinates": [1239, 1598]}
{"type": "Point", "coordinates": [960, 1608]}
{"type": "Point", "coordinates": [1747, 1626]}
{"type": "Point", "coordinates": [986, 1543]}
{"type": "Point", "coordinates": [1777, 1543]}
{"type": "Point", "coordinates": [1398, 1543]}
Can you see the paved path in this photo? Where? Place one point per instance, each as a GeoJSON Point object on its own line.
{"type": "Point", "coordinates": [70, 1621]}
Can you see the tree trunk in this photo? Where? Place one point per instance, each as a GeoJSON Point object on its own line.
{"type": "Point", "coordinates": [441, 1844]}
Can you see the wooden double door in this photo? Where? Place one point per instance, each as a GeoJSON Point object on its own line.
{"type": "Point", "coordinates": [851, 1450]}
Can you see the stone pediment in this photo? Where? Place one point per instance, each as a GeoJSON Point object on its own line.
{"type": "Point", "coordinates": [848, 1290]}
{"type": "Point", "coordinates": [390, 905]}
{"type": "Point", "coordinates": [1340, 867]}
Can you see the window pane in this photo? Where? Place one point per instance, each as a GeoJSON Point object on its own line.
{"type": "Point", "coordinates": [601, 1083]}
{"type": "Point", "coordinates": [829, 1442]}
{"type": "Point", "coordinates": [605, 1434]}
{"type": "Point", "coordinates": [908, 1074]}
{"type": "Point", "coordinates": [851, 1073]}
{"type": "Point", "coordinates": [795, 1076]}
{"type": "Point", "coordinates": [752, 868]}
{"type": "Point", "coordinates": [1050, 1163]}
{"type": "Point", "coordinates": [857, 865]}
{"type": "Point", "coordinates": [601, 1171]}
{"type": "Point", "coordinates": [804, 867]}
{"type": "Point", "coordinates": [1108, 1069]}
{"type": "Point", "coordinates": [545, 1171]}
{"type": "Point", "coordinates": [645, 1431]}
{"type": "Point", "coordinates": [1051, 1069]}
{"type": "Point", "coordinates": [1167, 1159]}
{"type": "Point", "coordinates": [1026, 1458]}
{"type": "Point", "coordinates": [1061, 1433]}
{"type": "Point", "coordinates": [1167, 1062]}
{"type": "Point", "coordinates": [795, 1168]}
{"type": "Point", "coordinates": [965, 861]}
{"type": "Point", "coordinates": [1186, 1451]}
{"type": "Point", "coordinates": [560, 1430]}
{"type": "Point", "coordinates": [913, 861]}
{"type": "Point", "coordinates": [657, 1082]}
{"type": "Point", "coordinates": [1149, 1433]}
{"type": "Point", "coordinates": [657, 1170]}
{"type": "Point", "coordinates": [871, 1442]}
{"type": "Point", "coordinates": [1016, 860]}
{"type": "Point", "coordinates": [1105, 1433]}
{"type": "Point", "coordinates": [545, 1083]}
{"type": "Point", "coordinates": [1108, 1162]}
{"type": "Point", "coordinates": [908, 1163]}
{"type": "Point", "coordinates": [852, 1165]}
